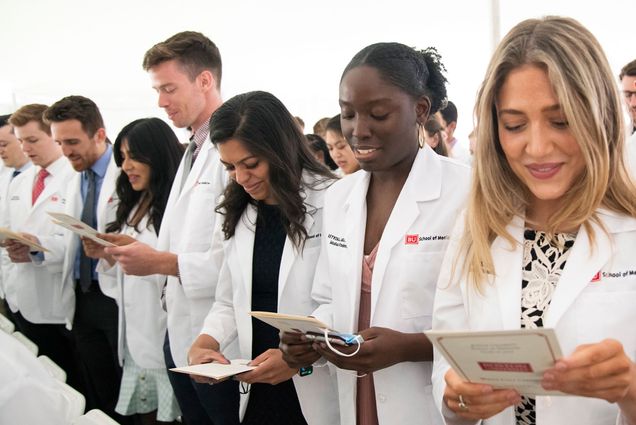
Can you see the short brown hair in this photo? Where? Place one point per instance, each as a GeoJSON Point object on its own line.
{"type": "Point", "coordinates": [76, 108]}
{"type": "Point", "coordinates": [192, 50]}
{"type": "Point", "coordinates": [28, 113]}
{"type": "Point", "coordinates": [629, 69]}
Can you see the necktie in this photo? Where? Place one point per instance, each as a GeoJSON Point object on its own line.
{"type": "Point", "coordinates": [38, 187]}
{"type": "Point", "coordinates": [88, 217]}
{"type": "Point", "coordinates": [187, 163]}
{"type": "Point", "coordinates": [15, 173]}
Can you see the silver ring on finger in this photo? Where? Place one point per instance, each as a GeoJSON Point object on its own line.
{"type": "Point", "coordinates": [462, 404]}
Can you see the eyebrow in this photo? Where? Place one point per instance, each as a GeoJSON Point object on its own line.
{"type": "Point", "coordinates": [240, 161]}
{"type": "Point", "coordinates": [372, 102]}
{"type": "Point", "coordinates": [555, 107]}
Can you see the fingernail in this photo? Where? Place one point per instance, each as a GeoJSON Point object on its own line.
{"type": "Point", "coordinates": [560, 366]}
{"type": "Point", "coordinates": [548, 377]}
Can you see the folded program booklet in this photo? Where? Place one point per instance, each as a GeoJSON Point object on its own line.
{"type": "Point", "coordinates": [310, 326]}
{"type": "Point", "coordinates": [216, 370]}
{"type": "Point", "coordinates": [504, 359]}
{"type": "Point", "coordinates": [9, 234]}
{"type": "Point", "coordinates": [78, 227]}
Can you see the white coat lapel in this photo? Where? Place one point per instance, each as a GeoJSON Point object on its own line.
{"type": "Point", "coordinates": [290, 252]}
{"type": "Point", "coordinates": [423, 184]}
{"type": "Point", "coordinates": [355, 218]}
{"type": "Point", "coordinates": [27, 180]}
{"type": "Point", "coordinates": [580, 267]}
{"type": "Point", "coordinates": [106, 193]}
{"type": "Point", "coordinates": [244, 241]}
{"type": "Point", "coordinates": [507, 261]}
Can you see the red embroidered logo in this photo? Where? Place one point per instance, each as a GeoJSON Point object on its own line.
{"type": "Point", "coordinates": [596, 278]}
{"type": "Point", "coordinates": [411, 239]}
{"type": "Point", "coordinates": [54, 198]}
{"type": "Point", "coordinates": [110, 200]}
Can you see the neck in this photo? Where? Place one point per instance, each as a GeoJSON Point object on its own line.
{"type": "Point", "coordinates": [51, 160]}
{"type": "Point", "coordinates": [213, 103]}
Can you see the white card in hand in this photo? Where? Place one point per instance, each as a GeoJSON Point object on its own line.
{"type": "Point", "coordinates": [78, 227]}
{"type": "Point", "coordinates": [504, 359]}
{"type": "Point", "coordinates": [216, 370]}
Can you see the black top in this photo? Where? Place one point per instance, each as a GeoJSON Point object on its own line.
{"type": "Point", "coordinates": [269, 404]}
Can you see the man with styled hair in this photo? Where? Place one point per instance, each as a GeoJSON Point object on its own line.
{"type": "Point", "coordinates": [185, 71]}
{"type": "Point", "coordinates": [627, 78]}
{"type": "Point", "coordinates": [35, 294]}
{"type": "Point", "coordinates": [77, 125]}
{"type": "Point", "coordinates": [14, 162]}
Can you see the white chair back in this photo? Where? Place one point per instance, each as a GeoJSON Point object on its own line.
{"type": "Point", "coordinates": [56, 371]}
{"type": "Point", "coordinates": [30, 345]}
{"type": "Point", "coordinates": [95, 417]}
{"type": "Point", "coordinates": [77, 402]}
{"type": "Point", "coordinates": [6, 324]}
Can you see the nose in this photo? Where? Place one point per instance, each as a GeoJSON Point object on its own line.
{"type": "Point", "coordinates": [66, 151]}
{"type": "Point", "coordinates": [126, 165]}
{"type": "Point", "coordinates": [162, 100]}
{"type": "Point", "coordinates": [539, 143]}
{"type": "Point", "coordinates": [360, 129]}
{"type": "Point", "coordinates": [241, 176]}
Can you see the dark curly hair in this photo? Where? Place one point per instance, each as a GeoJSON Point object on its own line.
{"type": "Point", "coordinates": [417, 72]}
{"type": "Point", "coordinates": [267, 130]}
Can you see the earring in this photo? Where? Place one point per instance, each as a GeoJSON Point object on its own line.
{"type": "Point", "coordinates": [420, 135]}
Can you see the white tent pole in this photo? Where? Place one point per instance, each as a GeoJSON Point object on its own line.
{"type": "Point", "coordinates": [495, 24]}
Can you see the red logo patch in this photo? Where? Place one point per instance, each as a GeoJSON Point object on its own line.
{"type": "Point", "coordinates": [54, 198]}
{"type": "Point", "coordinates": [411, 239]}
{"type": "Point", "coordinates": [596, 278]}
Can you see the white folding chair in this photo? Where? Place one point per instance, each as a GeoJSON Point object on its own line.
{"type": "Point", "coordinates": [77, 402]}
{"type": "Point", "coordinates": [32, 346]}
{"type": "Point", "coordinates": [56, 371]}
{"type": "Point", "coordinates": [95, 417]}
{"type": "Point", "coordinates": [6, 324]}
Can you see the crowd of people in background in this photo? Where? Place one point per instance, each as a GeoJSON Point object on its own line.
{"type": "Point", "coordinates": [379, 223]}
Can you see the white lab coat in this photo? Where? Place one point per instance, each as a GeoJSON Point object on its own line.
{"type": "Point", "coordinates": [29, 394]}
{"type": "Point", "coordinates": [583, 309]}
{"type": "Point", "coordinates": [630, 150]}
{"type": "Point", "coordinates": [64, 249]}
{"type": "Point", "coordinates": [404, 275]}
{"type": "Point", "coordinates": [6, 175]}
{"type": "Point", "coordinates": [186, 230]}
{"type": "Point", "coordinates": [229, 316]}
{"type": "Point", "coordinates": [34, 290]}
{"type": "Point", "coordinates": [142, 320]}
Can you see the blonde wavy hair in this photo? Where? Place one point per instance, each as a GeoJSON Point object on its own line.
{"type": "Point", "coordinates": [583, 82]}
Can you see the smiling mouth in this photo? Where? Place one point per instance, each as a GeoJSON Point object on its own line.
{"type": "Point", "coordinates": [366, 151]}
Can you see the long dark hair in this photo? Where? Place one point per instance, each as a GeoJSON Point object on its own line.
{"type": "Point", "coordinates": [266, 128]}
{"type": "Point", "coordinates": [318, 144]}
{"type": "Point", "coordinates": [152, 142]}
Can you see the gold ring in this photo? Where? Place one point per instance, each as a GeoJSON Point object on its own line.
{"type": "Point", "coordinates": [462, 404]}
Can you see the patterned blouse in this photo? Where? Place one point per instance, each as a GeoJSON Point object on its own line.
{"type": "Point", "coordinates": [543, 261]}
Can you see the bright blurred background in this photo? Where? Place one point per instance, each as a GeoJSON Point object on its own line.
{"type": "Point", "coordinates": [294, 49]}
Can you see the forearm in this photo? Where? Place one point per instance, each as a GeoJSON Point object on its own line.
{"type": "Point", "coordinates": [166, 263]}
{"type": "Point", "coordinates": [415, 347]}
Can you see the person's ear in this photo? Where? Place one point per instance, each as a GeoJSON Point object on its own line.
{"type": "Point", "coordinates": [422, 109]}
{"type": "Point", "coordinates": [100, 135]}
{"type": "Point", "coordinates": [206, 80]}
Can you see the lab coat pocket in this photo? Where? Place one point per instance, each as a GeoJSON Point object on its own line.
{"type": "Point", "coordinates": [419, 277]}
